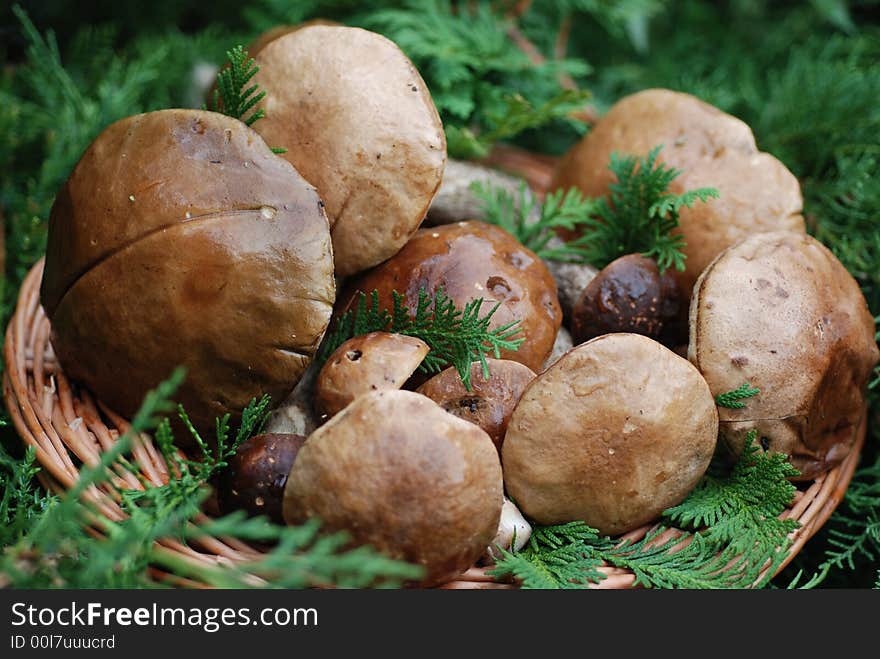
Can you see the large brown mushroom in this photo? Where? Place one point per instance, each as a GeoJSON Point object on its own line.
{"type": "Point", "coordinates": [400, 474]}
{"type": "Point", "coordinates": [370, 362]}
{"type": "Point", "coordinates": [617, 430]}
{"type": "Point", "coordinates": [471, 260]}
{"type": "Point", "coordinates": [713, 149]}
{"type": "Point", "coordinates": [779, 311]}
{"type": "Point", "coordinates": [181, 239]}
{"type": "Point", "coordinates": [358, 122]}
{"type": "Point", "coordinates": [489, 402]}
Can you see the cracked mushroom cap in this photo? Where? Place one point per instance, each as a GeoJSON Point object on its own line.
{"type": "Point", "coordinates": [359, 123]}
{"type": "Point", "coordinates": [181, 239]}
{"type": "Point", "coordinates": [370, 362]}
{"type": "Point", "coordinates": [471, 260]}
{"type": "Point", "coordinates": [714, 149]}
{"type": "Point", "coordinates": [780, 312]}
{"type": "Point", "coordinates": [490, 401]}
{"type": "Point", "coordinates": [616, 431]}
{"type": "Point", "coordinates": [400, 474]}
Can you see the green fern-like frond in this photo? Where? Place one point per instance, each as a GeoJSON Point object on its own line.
{"type": "Point", "coordinates": [456, 337]}
{"type": "Point", "coordinates": [742, 509]}
{"type": "Point", "coordinates": [733, 399]}
{"type": "Point", "coordinates": [232, 96]}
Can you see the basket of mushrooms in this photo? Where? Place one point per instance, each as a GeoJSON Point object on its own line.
{"type": "Point", "coordinates": [441, 388]}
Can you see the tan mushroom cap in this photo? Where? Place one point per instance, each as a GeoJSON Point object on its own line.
{"type": "Point", "coordinates": [490, 401]}
{"type": "Point", "coordinates": [616, 431]}
{"type": "Point", "coordinates": [370, 362]}
{"type": "Point", "coordinates": [400, 474]}
{"type": "Point", "coordinates": [714, 149]}
{"type": "Point", "coordinates": [180, 239]}
{"type": "Point", "coordinates": [358, 122]}
{"type": "Point", "coordinates": [780, 312]}
{"type": "Point", "coordinates": [471, 260]}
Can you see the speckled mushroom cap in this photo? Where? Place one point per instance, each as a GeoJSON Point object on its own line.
{"type": "Point", "coordinates": [358, 122]}
{"type": "Point", "coordinates": [472, 260]}
{"type": "Point", "coordinates": [714, 149]}
{"type": "Point", "coordinates": [403, 476]}
{"type": "Point", "coordinates": [180, 239]}
{"type": "Point", "coordinates": [616, 431]}
{"type": "Point", "coordinates": [780, 312]}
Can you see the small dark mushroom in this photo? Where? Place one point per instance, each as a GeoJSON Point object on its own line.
{"type": "Point", "coordinates": [255, 478]}
{"type": "Point", "coordinates": [630, 295]}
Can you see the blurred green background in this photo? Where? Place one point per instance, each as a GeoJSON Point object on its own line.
{"type": "Point", "coordinates": [804, 75]}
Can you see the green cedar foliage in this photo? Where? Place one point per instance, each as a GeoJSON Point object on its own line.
{"type": "Point", "coordinates": [728, 533]}
{"type": "Point", "coordinates": [56, 550]}
{"type": "Point", "coordinates": [639, 215]}
{"type": "Point", "coordinates": [456, 337]}
{"type": "Point", "coordinates": [734, 399]}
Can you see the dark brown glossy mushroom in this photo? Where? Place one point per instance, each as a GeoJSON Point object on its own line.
{"type": "Point", "coordinates": [629, 295]}
{"type": "Point", "coordinates": [255, 478]}
{"type": "Point", "coordinates": [472, 260]}
{"type": "Point", "coordinates": [490, 401]}
{"type": "Point", "coordinates": [180, 239]}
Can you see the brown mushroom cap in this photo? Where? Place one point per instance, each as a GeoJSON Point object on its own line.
{"type": "Point", "coordinates": [471, 260]}
{"type": "Point", "coordinates": [358, 122]}
{"type": "Point", "coordinates": [714, 149]}
{"type": "Point", "coordinates": [180, 239]}
{"type": "Point", "coordinates": [400, 474]}
{"type": "Point", "coordinates": [490, 401]}
{"type": "Point", "coordinates": [780, 312]}
{"type": "Point", "coordinates": [256, 475]}
{"type": "Point", "coordinates": [370, 362]}
{"type": "Point", "coordinates": [616, 431]}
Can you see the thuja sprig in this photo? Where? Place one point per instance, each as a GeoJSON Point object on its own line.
{"type": "Point", "coordinates": [456, 337]}
{"type": "Point", "coordinates": [231, 96]}
{"type": "Point", "coordinates": [733, 399]}
{"type": "Point", "coordinates": [639, 215]}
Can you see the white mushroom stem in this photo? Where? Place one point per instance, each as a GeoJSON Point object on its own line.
{"type": "Point", "coordinates": [297, 415]}
{"type": "Point", "coordinates": [571, 279]}
{"type": "Point", "coordinates": [513, 531]}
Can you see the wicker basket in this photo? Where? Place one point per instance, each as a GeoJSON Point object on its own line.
{"type": "Point", "coordinates": [70, 428]}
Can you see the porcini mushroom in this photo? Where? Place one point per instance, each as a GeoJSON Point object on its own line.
{"type": "Point", "coordinates": [358, 122]}
{"type": "Point", "coordinates": [629, 295]}
{"type": "Point", "coordinates": [181, 239]}
{"type": "Point", "coordinates": [370, 362]}
{"type": "Point", "coordinates": [779, 311]}
{"type": "Point", "coordinates": [617, 430]}
{"type": "Point", "coordinates": [489, 402]}
{"type": "Point", "coordinates": [400, 474]}
{"type": "Point", "coordinates": [472, 260]}
{"type": "Point", "coordinates": [257, 473]}
{"type": "Point", "coordinates": [713, 149]}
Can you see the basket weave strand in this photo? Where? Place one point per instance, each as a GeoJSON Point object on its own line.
{"type": "Point", "coordinates": [70, 429]}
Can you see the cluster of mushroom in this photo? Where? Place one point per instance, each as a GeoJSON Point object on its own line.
{"type": "Point", "coordinates": [181, 238]}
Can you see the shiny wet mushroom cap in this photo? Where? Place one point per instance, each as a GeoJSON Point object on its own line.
{"type": "Point", "coordinates": [370, 362]}
{"type": "Point", "coordinates": [471, 260]}
{"type": "Point", "coordinates": [401, 475]}
{"type": "Point", "coordinates": [779, 311]}
{"type": "Point", "coordinates": [175, 229]}
{"type": "Point", "coordinates": [616, 431]}
{"type": "Point", "coordinates": [358, 122]}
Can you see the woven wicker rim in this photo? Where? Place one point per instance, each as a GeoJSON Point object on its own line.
{"type": "Point", "coordinates": [70, 428]}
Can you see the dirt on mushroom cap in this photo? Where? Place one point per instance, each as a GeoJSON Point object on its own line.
{"type": "Point", "coordinates": [779, 311]}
